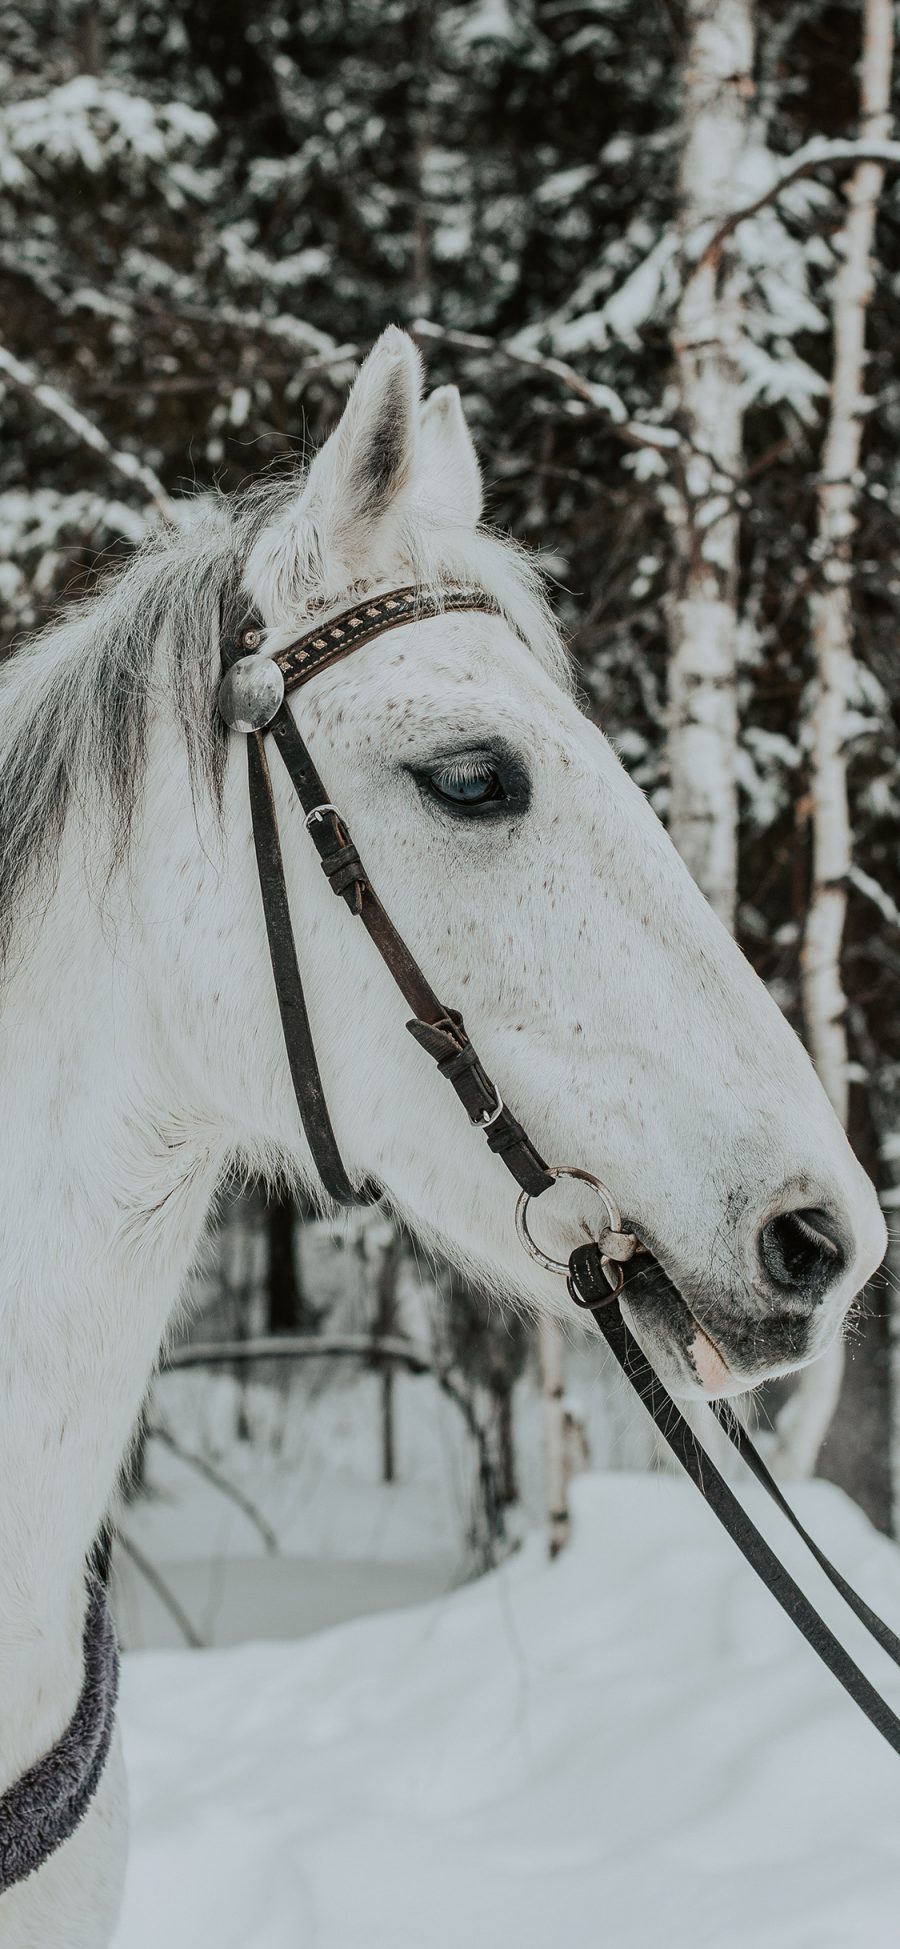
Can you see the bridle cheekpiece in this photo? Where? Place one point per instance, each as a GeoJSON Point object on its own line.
{"type": "Point", "coordinates": [252, 700]}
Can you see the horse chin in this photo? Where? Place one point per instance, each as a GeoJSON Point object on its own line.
{"type": "Point", "coordinates": [688, 1361]}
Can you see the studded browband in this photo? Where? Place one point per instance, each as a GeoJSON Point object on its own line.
{"type": "Point", "coordinates": [333, 640]}
{"type": "Point", "coordinates": [252, 700]}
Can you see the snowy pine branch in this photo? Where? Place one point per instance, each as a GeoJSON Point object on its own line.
{"type": "Point", "coordinates": [126, 465]}
{"type": "Point", "coordinates": [601, 399]}
{"type": "Point", "coordinates": [879, 896]}
{"type": "Point", "coordinates": [90, 123]}
{"type": "Point", "coordinates": [815, 155]}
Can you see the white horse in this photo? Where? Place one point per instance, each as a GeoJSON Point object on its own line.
{"type": "Point", "coordinates": [141, 1047]}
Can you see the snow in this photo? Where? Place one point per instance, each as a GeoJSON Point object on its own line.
{"type": "Point", "coordinates": [628, 309]}
{"type": "Point", "coordinates": [629, 1746]}
{"type": "Point", "coordinates": [491, 20]}
{"type": "Point", "coordinates": [40, 524]}
{"type": "Point", "coordinates": [310, 1468]}
{"type": "Point", "coordinates": [90, 123]}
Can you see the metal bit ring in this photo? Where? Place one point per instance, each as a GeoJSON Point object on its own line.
{"type": "Point", "coordinates": [613, 1226]}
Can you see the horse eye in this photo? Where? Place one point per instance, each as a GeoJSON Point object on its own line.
{"type": "Point", "coordinates": [465, 784]}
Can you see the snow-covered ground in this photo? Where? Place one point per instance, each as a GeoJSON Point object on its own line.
{"type": "Point", "coordinates": [347, 1543]}
{"type": "Point", "coordinates": [627, 1748]}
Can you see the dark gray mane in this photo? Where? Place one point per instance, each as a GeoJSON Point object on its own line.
{"type": "Point", "coordinates": [76, 701]}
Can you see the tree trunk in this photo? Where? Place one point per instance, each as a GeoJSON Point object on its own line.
{"type": "Point", "coordinates": [385, 1325]}
{"type": "Point", "coordinates": [284, 1306]}
{"type": "Point", "coordinates": [805, 1422]}
{"type": "Point", "coordinates": [831, 603]}
{"type": "Point", "coordinates": [551, 1359]}
{"type": "Point", "coordinates": [242, 1282]}
{"type": "Point", "coordinates": [507, 1473]}
{"type": "Point", "coordinates": [702, 738]}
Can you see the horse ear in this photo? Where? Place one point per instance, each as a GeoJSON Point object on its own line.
{"type": "Point", "coordinates": [356, 487]}
{"type": "Point", "coordinates": [449, 472]}
{"type": "Point", "coordinates": [357, 477]}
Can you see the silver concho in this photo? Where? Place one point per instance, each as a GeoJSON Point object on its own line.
{"type": "Point", "coordinates": [250, 693]}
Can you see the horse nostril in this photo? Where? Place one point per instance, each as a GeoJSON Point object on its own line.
{"type": "Point", "coordinates": [801, 1252]}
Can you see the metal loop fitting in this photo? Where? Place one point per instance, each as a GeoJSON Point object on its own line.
{"type": "Point", "coordinates": [251, 693]}
{"type": "Point", "coordinates": [616, 1245]}
{"type": "Point", "coordinates": [318, 812]}
{"type": "Point", "coordinates": [489, 1117]}
{"type": "Point", "coordinates": [615, 1279]}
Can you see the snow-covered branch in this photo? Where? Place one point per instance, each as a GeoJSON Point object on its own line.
{"type": "Point", "coordinates": [601, 399]}
{"type": "Point", "coordinates": [879, 896]}
{"type": "Point", "coordinates": [282, 327]}
{"type": "Point", "coordinates": [815, 155]}
{"type": "Point", "coordinates": [127, 465]}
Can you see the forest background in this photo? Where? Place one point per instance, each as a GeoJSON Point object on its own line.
{"type": "Point", "coordinates": [657, 245]}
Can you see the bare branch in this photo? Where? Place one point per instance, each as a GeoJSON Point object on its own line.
{"type": "Point", "coordinates": [360, 1346]}
{"type": "Point", "coordinates": [126, 465]}
{"type": "Point", "coordinates": [221, 1482]}
{"type": "Point", "coordinates": [166, 1596]}
{"type": "Point", "coordinates": [456, 1391]}
{"type": "Point", "coordinates": [304, 1346]}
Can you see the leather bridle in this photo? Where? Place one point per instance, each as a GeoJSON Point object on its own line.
{"type": "Point", "coordinates": [252, 699]}
{"type": "Point", "coordinates": [43, 1807]}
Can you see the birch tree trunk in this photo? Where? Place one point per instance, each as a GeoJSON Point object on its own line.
{"type": "Point", "coordinates": [718, 92]}
{"type": "Point", "coordinates": [804, 1423]}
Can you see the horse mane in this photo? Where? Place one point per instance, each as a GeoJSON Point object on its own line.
{"type": "Point", "coordinates": [77, 699]}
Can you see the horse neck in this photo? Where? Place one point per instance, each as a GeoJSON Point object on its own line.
{"type": "Point", "coordinates": [107, 1177]}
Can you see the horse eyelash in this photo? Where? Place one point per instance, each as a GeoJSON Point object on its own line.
{"type": "Point", "coordinates": [461, 771]}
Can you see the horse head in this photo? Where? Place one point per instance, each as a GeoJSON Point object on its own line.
{"type": "Point", "coordinates": [538, 890]}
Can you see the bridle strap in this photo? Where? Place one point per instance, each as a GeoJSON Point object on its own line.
{"type": "Point", "coordinates": [439, 1030]}
{"type": "Point", "coordinates": [298, 1039]}
{"type": "Point", "coordinates": [327, 643]}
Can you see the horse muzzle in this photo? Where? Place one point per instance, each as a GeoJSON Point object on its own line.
{"type": "Point", "coordinates": [712, 1346]}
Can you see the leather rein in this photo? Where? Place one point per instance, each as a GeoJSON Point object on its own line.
{"type": "Point", "coordinates": [253, 700]}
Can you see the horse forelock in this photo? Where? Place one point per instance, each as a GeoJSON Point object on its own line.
{"type": "Point", "coordinates": [77, 700]}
